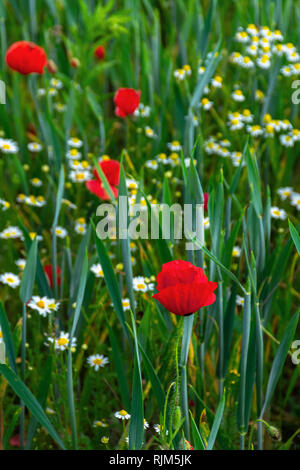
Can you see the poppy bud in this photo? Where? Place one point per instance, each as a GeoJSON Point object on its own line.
{"type": "Point", "coordinates": [75, 63]}
{"type": "Point", "coordinates": [100, 52]}
{"type": "Point", "coordinates": [51, 66]}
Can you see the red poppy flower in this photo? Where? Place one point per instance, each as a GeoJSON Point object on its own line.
{"type": "Point", "coordinates": [100, 52]}
{"type": "Point", "coordinates": [126, 101]}
{"type": "Point", "coordinates": [111, 169]}
{"type": "Point", "coordinates": [183, 288]}
{"type": "Point", "coordinates": [48, 272]}
{"type": "Point", "coordinates": [205, 202]}
{"type": "Point", "coordinates": [26, 57]}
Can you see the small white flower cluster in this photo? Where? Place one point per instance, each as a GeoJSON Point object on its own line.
{"type": "Point", "coordinates": [31, 200]}
{"type": "Point", "coordinates": [288, 193]}
{"type": "Point", "coordinates": [220, 148]}
{"type": "Point", "coordinates": [181, 74]}
{"type": "Point", "coordinates": [142, 284]}
{"type": "Point", "coordinates": [80, 171]}
{"type": "Point", "coordinates": [261, 45]}
{"type": "Point", "coordinates": [12, 232]}
{"type": "Point", "coordinates": [80, 226]}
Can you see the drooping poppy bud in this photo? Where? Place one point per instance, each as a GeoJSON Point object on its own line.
{"type": "Point", "coordinates": [51, 66]}
{"type": "Point", "coordinates": [26, 57]}
{"type": "Point", "coordinates": [183, 288]}
{"type": "Point", "coordinates": [126, 101]}
{"type": "Point", "coordinates": [100, 52]}
{"type": "Point", "coordinates": [205, 202]}
{"type": "Point", "coordinates": [75, 63]}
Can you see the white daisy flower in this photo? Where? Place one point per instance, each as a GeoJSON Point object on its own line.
{"type": "Point", "coordinates": [34, 147]}
{"type": "Point", "coordinates": [36, 182]}
{"type": "Point", "coordinates": [247, 116]}
{"type": "Point", "coordinates": [122, 414]}
{"type": "Point", "coordinates": [285, 192]}
{"type": "Point", "coordinates": [236, 251]}
{"type": "Point", "coordinates": [100, 424]}
{"type": "Point", "coordinates": [240, 300]}
{"type": "Point", "coordinates": [206, 104]}
{"type": "Point", "coordinates": [5, 205]}
{"type": "Point", "coordinates": [264, 62]}
{"type": "Point", "coordinates": [80, 176]}
{"type": "Point", "coordinates": [74, 142]}
{"type": "Point", "coordinates": [8, 146]}
{"type": "Point", "coordinates": [162, 158]}
{"type": "Point", "coordinates": [60, 107]}
{"type": "Point", "coordinates": [286, 140]}
{"type": "Point", "coordinates": [142, 110]}
{"type": "Point", "coordinates": [237, 95]}
{"type": "Point", "coordinates": [97, 270]}
{"type": "Point", "coordinates": [96, 361]}
{"type": "Point", "coordinates": [206, 223]}
{"type": "Point", "coordinates": [252, 29]}
{"type": "Point", "coordinates": [242, 37]}
{"type": "Point", "coordinates": [10, 279]}
{"type": "Point", "coordinates": [63, 341]}
{"type": "Point", "coordinates": [52, 91]}
{"type": "Point", "coordinates": [151, 164]}
{"type": "Point", "coordinates": [126, 304]}
{"type": "Point", "coordinates": [252, 50]}
{"type": "Point", "coordinates": [295, 133]}
{"type": "Point", "coordinates": [179, 74]}
{"type": "Point", "coordinates": [246, 63]}
{"type": "Point", "coordinates": [255, 130]}
{"type": "Point", "coordinates": [41, 92]}
{"type": "Point", "coordinates": [61, 232]}
{"type": "Point", "coordinates": [80, 228]}
{"type": "Point", "coordinates": [287, 70]}
{"type": "Point", "coordinates": [235, 124]}
{"type": "Point", "coordinates": [277, 213]}
{"type": "Point", "coordinates": [54, 82]}
{"type": "Point", "coordinates": [217, 81]}
{"type": "Point", "coordinates": [43, 305]}
{"type": "Point", "coordinates": [21, 263]}
{"type": "Point", "coordinates": [139, 284]}
{"type": "Point", "coordinates": [174, 146]}
{"type": "Point", "coordinates": [150, 132]}
{"type": "Point", "coordinates": [73, 154]}
{"type": "Point", "coordinates": [295, 200]}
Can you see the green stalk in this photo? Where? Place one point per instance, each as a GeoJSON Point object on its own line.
{"type": "Point", "coordinates": [243, 367]}
{"type": "Point", "coordinates": [23, 372]}
{"type": "Point", "coordinates": [259, 373]}
{"type": "Point", "coordinates": [221, 335]}
{"type": "Point", "coordinates": [186, 337]}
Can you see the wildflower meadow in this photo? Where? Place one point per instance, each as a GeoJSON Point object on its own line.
{"type": "Point", "coordinates": [149, 230]}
